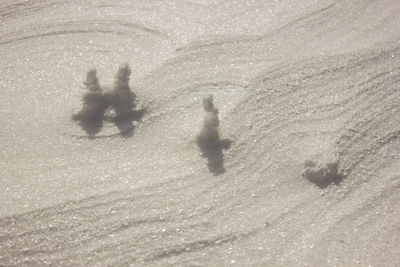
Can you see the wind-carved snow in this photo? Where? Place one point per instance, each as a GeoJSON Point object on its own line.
{"type": "Point", "coordinates": [307, 91]}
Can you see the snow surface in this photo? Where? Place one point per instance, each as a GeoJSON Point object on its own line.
{"type": "Point", "coordinates": [308, 93]}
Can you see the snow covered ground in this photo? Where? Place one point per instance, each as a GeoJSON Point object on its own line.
{"type": "Point", "coordinates": [308, 93]}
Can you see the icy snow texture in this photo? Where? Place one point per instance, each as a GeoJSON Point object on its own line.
{"type": "Point", "coordinates": [293, 81]}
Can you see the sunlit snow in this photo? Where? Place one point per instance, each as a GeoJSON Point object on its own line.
{"type": "Point", "coordinates": [200, 133]}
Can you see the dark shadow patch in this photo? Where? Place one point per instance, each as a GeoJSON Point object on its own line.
{"type": "Point", "coordinates": [321, 174]}
{"type": "Point", "coordinates": [209, 141]}
{"type": "Point", "coordinates": [117, 106]}
{"type": "Point", "coordinates": [124, 122]}
{"type": "Point", "coordinates": [123, 101]}
{"type": "Point", "coordinates": [91, 116]}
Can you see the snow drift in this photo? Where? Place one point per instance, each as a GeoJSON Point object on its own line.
{"type": "Point", "coordinates": [294, 82]}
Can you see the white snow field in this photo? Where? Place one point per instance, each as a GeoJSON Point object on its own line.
{"type": "Point", "coordinates": [308, 96]}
